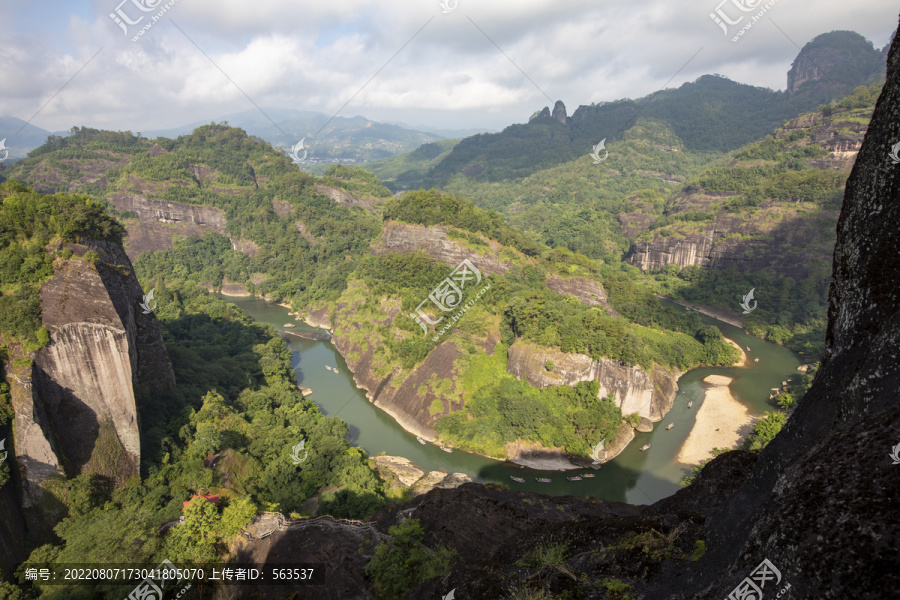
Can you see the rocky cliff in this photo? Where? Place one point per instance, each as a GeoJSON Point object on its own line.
{"type": "Point", "coordinates": [587, 291]}
{"type": "Point", "coordinates": [406, 396]}
{"type": "Point", "coordinates": [160, 222]}
{"type": "Point", "coordinates": [77, 410]}
{"type": "Point", "coordinates": [787, 235]}
{"type": "Point", "coordinates": [838, 55]}
{"type": "Point", "coordinates": [404, 237]}
{"type": "Point", "coordinates": [651, 395]}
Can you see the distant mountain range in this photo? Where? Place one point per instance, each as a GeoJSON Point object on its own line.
{"type": "Point", "coordinates": [711, 114]}
{"type": "Point", "coordinates": [327, 139]}
{"type": "Point", "coordinates": [20, 144]}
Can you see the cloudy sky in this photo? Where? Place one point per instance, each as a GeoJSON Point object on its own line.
{"type": "Point", "coordinates": [482, 64]}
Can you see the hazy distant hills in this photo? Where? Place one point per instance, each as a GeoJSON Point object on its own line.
{"type": "Point", "coordinates": [327, 140]}
{"type": "Point", "coordinates": [19, 144]}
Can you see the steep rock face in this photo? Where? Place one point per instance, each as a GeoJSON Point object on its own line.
{"type": "Point", "coordinates": [651, 395]}
{"type": "Point", "coordinates": [407, 398]}
{"type": "Point", "coordinates": [400, 400]}
{"type": "Point", "coordinates": [342, 548]}
{"type": "Point", "coordinates": [821, 501]}
{"type": "Point", "coordinates": [587, 291]}
{"type": "Point", "coordinates": [788, 236]}
{"type": "Point", "coordinates": [559, 112]}
{"type": "Point", "coordinates": [403, 237]}
{"type": "Point", "coordinates": [837, 52]}
{"type": "Point", "coordinates": [105, 359]}
{"type": "Point", "coordinates": [160, 221]}
{"type": "Point", "coordinates": [345, 198]}
{"type": "Point", "coordinates": [771, 238]}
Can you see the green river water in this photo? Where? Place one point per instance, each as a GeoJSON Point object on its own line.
{"type": "Point", "coordinates": [633, 476]}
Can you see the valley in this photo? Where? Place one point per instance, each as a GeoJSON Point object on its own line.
{"type": "Point", "coordinates": [633, 476]}
{"type": "Point", "coordinates": [497, 365]}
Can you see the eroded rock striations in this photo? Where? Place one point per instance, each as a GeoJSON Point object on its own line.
{"type": "Point", "coordinates": [78, 412]}
{"type": "Point", "coordinates": [650, 395]}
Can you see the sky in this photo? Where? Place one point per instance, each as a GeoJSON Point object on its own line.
{"type": "Point", "coordinates": [437, 63]}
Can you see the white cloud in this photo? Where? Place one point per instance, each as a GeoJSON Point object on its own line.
{"type": "Point", "coordinates": [316, 56]}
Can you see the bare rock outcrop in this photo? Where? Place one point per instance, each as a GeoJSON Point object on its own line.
{"type": "Point", "coordinates": [78, 412]}
{"type": "Point", "coordinates": [345, 198]}
{"type": "Point", "coordinates": [409, 476]}
{"type": "Point", "coordinates": [559, 112]}
{"type": "Point", "coordinates": [651, 395]}
{"type": "Point", "coordinates": [403, 237]}
{"type": "Point", "coordinates": [159, 221]}
{"type": "Point", "coordinates": [587, 291]}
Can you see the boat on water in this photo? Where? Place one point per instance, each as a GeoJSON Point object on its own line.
{"type": "Point", "coordinates": [445, 449]}
{"type": "Point", "coordinates": [755, 360]}
{"type": "Point", "coordinates": [588, 475]}
{"type": "Point", "coordinates": [517, 479]}
{"type": "Point", "coordinates": [645, 447]}
{"type": "Point", "coordinates": [670, 426]}
{"type": "Point", "coordinates": [327, 367]}
{"type": "Point", "coordinates": [748, 348]}
{"type": "Point", "coordinates": [690, 404]}
{"type": "Point", "coordinates": [542, 480]}
{"type": "Point", "coordinates": [420, 440]}
{"type": "Point", "coordinates": [576, 478]}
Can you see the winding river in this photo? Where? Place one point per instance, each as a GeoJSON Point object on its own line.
{"type": "Point", "coordinates": [633, 476]}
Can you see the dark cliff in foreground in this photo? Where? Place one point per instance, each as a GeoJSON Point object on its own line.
{"type": "Point", "coordinates": [814, 515]}
{"type": "Point", "coordinates": [77, 402]}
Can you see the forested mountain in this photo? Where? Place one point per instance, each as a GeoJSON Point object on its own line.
{"type": "Point", "coordinates": [712, 114]}
{"type": "Point", "coordinates": [327, 139]}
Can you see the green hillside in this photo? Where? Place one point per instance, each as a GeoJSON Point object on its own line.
{"type": "Point", "coordinates": [774, 207]}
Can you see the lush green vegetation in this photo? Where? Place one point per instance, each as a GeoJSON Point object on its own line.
{"type": "Point", "coordinates": [435, 208]}
{"type": "Point", "coordinates": [354, 181]}
{"type": "Point", "coordinates": [221, 166]}
{"type": "Point", "coordinates": [236, 397]}
{"type": "Point", "coordinates": [569, 417]}
{"type": "Point", "coordinates": [29, 223]}
{"type": "Point", "coordinates": [403, 562]}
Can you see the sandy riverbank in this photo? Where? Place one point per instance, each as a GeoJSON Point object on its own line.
{"type": "Point", "coordinates": [722, 422]}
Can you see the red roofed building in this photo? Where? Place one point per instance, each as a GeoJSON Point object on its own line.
{"type": "Point", "coordinates": [214, 498]}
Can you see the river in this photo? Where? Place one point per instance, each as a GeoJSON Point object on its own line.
{"type": "Point", "coordinates": [633, 476]}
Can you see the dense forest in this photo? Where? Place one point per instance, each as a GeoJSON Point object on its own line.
{"type": "Point", "coordinates": [236, 400]}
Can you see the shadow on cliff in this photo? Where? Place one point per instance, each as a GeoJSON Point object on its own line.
{"type": "Point", "coordinates": [78, 428]}
{"type": "Point", "coordinates": [789, 273]}
{"type": "Point", "coordinates": [337, 551]}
